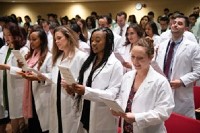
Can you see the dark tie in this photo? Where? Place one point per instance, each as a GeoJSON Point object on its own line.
{"type": "Point", "coordinates": [168, 59]}
{"type": "Point", "coordinates": [121, 31]}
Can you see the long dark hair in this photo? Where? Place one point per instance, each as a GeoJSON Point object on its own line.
{"type": "Point", "coordinates": [153, 26]}
{"type": "Point", "coordinates": [19, 39]}
{"type": "Point", "coordinates": [138, 30]}
{"type": "Point", "coordinates": [43, 47]}
{"type": "Point", "coordinates": [75, 27]}
{"type": "Point", "coordinates": [107, 52]}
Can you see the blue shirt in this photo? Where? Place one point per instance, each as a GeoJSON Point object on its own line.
{"type": "Point", "coordinates": [177, 44]}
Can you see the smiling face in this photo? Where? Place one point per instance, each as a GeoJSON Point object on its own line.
{"type": "Point", "coordinates": [98, 40]}
{"type": "Point", "coordinates": [7, 36]}
{"type": "Point", "coordinates": [144, 21]}
{"type": "Point", "coordinates": [141, 60]}
{"type": "Point", "coordinates": [35, 41]}
{"type": "Point", "coordinates": [132, 35]}
{"type": "Point", "coordinates": [61, 40]}
{"type": "Point", "coordinates": [149, 30]}
{"type": "Point", "coordinates": [178, 27]}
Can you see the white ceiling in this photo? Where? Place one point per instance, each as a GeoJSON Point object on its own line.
{"type": "Point", "coordinates": [39, 1]}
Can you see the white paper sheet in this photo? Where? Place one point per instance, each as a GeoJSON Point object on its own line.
{"type": "Point", "coordinates": [119, 57]}
{"type": "Point", "coordinates": [113, 105]}
{"type": "Point", "coordinates": [67, 75]}
{"type": "Point", "coordinates": [21, 59]}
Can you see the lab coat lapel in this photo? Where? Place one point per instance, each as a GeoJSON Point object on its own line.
{"type": "Point", "coordinates": [130, 82]}
{"type": "Point", "coordinates": [162, 51]}
{"type": "Point", "coordinates": [182, 47]}
{"type": "Point", "coordinates": [3, 53]}
{"type": "Point", "coordinates": [145, 84]}
{"type": "Point", "coordinates": [10, 57]}
{"type": "Point", "coordinates": [108, 63]}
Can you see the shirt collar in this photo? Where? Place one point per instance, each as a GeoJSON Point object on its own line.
{"type": "Point", "coordinates": [177, 41]}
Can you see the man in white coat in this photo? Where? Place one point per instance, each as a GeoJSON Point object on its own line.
{"type": "Point", "coordinates": [121, 25]}
{"type": "Point", "coordinates": [183, 68]}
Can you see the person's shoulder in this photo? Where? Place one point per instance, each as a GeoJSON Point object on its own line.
{"type": "Point", "coordinates": [190, 42]}
{"type": "Point", "coordinates": [158, 77]}
{"type": "Point", "coordinates": [129, 74]}
{"type": "Point", "coordinates": [79, 53]}
{"type": "Point", "coordinates": [163, 43]}
{"type": "Point", "coordinates": [112, 60]}
{"type": "Point", "coordinates": [4, 48]}
{"type": "Point", "coordinates": [190, 36]}
{"type": "Point", "coordinates": [116, 28]}
{"type": "Point", "coordinates": [24, 48]}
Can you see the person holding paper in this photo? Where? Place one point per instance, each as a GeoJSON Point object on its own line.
{"type": "Point", "coordinates": [145, 95]}
{"type": "Point", "coordinates": [100, 77]}
{"type": "Point", "coordinates": [133, 33]}
{"type": "Point", "coordinates": [11, 86]}
{"type": "Point", "coordinates": [36, 98]}
{"type": "Point", "coordinates": [63, 115]}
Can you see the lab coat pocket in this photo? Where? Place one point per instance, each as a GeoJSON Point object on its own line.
{"type": "Point", "coordinates": [66, 102]}
{"type": "Point", "coordinates": [185, 106]}
{"type": "Point", "coordinates": [105, 120]}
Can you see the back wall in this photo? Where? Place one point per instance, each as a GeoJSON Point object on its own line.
{"type": "Point", "coordinates": [84, 8]}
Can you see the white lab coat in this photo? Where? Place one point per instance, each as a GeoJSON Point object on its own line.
{"type": "Point", "coordinates": [15, 83]}
{"type": "Point", "coordinates": [125, 51]}
{"type": "Point", "coordinates": [156, 40]}
{"type": "Point", "coordinates": [117, 31]}
{"type": "Point", "coordinates": [168, 34]}
{"type": "Point", "coordinates": [106, 83]}
{"type": "Point", "coordinates": [70, 119]}
{"type": "Point", "coordinates": [83, 46]}
{"type": "Point", "coordinates": [117, 42]}
{"type": "Point", "coordinates": [186, 66]}
{"type": "Point", "coordinates": [152, 104]}
{"type": "Point", "coordinates": [41, 92]}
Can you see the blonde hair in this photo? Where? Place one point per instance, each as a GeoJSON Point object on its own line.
{"type": "Point", "coordinates": [72, 43]}
{"type": "Point", "coordinates": [148, 44]}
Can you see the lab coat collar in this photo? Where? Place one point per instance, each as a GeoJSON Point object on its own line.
{"type": "Point", "coordinates": [111, 59]}
{"type": "Point", "coordinates": [182, 47]}
{"type": "Point", "coordinates": [3, 51]}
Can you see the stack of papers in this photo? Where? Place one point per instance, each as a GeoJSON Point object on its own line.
{"type": "Point", "coordinates": [21, 59]}
{"type": "Point", "coordinates": [113, 105]}
{"type": "Point", "coordinates": [67, 75]}
{"type": "Point", "coordinates": [25, 67]}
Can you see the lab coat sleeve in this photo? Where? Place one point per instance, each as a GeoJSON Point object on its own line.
{"type": "Point", "coordinates": [48, 70]}
{"type": "Point", "coordinates": [119, 98]}
{"type": "Point", "coordinates": [112, 89]}
{"type": "Point", "coordinates": [14, 70]}
{"type": "Point", "coordinates": [194, 75]}
{"type": "Point", "coordinates": [164, 105]}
